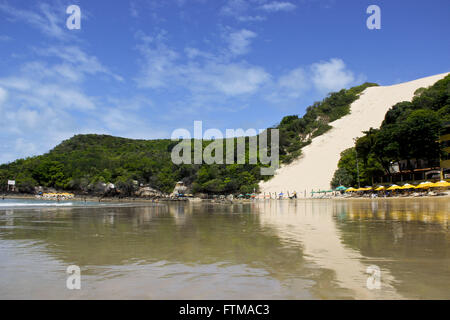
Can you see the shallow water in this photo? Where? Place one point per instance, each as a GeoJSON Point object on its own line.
{"type": "Point", "coordinates": [306, 249]}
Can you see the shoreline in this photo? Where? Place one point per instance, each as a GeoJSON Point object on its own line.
{"type": "Point", "coordinates": [194, 200]}
{"type": "Point", "coordinates": [81, 199]}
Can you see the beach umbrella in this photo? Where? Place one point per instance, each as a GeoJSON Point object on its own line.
{"type": "Point", "coordinates": [407, 186]}
{"type": "Point", "coordinates": [351, 189]}
{"type": "Point", "coordinates": [393, 187]}
{"type": "Point", "coordinates": [341, 188]}
{"type": "Point", "coordinates": [441, 184]}
{"type": "Point", "coordinates": [424, 185]}
{"type": "Point", "coordinates": [380, 188]}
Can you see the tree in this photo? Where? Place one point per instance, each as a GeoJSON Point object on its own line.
{"type": "Point", "coordinates": [342, 178]}
{"type": "Point", "coordinates": [420, 135]}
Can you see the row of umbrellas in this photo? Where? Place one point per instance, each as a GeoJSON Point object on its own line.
{"type": "Point", "coordinates": [423, 185]}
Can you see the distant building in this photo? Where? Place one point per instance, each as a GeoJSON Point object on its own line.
{"type": "Point", "coordinates": [414, 170]}
{"type": "Point", "coordinates": [421, 169]}
{"type": "Point", "coordinates": [445, 145]}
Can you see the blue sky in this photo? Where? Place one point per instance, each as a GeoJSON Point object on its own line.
{"type": "Point", "coordinates": [144, 68]}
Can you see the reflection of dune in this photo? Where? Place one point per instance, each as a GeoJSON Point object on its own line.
{"type": "Point", "coordinates": [311, 223]}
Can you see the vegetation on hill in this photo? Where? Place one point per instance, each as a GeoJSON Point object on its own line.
{"type": "Point", "coordinates": [85, 162]}
{"type": "Point", "coordinates": [297, 132]}
{"type": "Point", "coordinates": [410, 131]}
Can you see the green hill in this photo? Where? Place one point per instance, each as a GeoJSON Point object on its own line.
{"type": "Point", "coordinates": [83, 162]}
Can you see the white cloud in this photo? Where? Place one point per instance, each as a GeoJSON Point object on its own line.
{"type": "Point", "coordinates": [158, 66]}
{"type": "Point", "coordinates": [133, 10]}
{"type": "Point", "coordinates": [234, 7]}
{"type": "Point", "coordinates": [120, 121]}
{"type": "Point", "coordinates": [63, 97]}
{"type": "Point", "coordinates": [48, 20]}
{"type": "Point", "coordinates": [76, 62]}
{"type": "Point", "coordinates": [165, 68]}
{"type": "Point", "coordinates": [17, 83]}
{"type": "Point", "coordinates": [41, 106]}
{"type": "Point", "coordinates": [3, 96]}
{"type": "Point", "coordinates": [322, 77]}
{"type": "Point", "coordinates": [193, 53]}
{"type": "Point", "coordinates": [331, 75]}
{"type": "Point", "coordinates": [30, 118]}
{"type": "Point", "coordinates": [294, 83]}
{"type": "Point", "coordinates": [239, 42]}
{"type": "Point", "coordinates": [21, 146]}
{"type": "Point", "coordinates": [251, 18]}
{"type": "Point", "coordinates": [278, 6]}
{"type": "Point", "coordinates": [254, 10]}
{"type": "Point", "coordinates": [229, 79]}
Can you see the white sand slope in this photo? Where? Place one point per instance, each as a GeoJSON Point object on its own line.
{"type": "Point", "coordinates": [315, 168]}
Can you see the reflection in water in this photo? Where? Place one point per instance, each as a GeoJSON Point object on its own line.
{"type": "Point", "coordinates": [312, 224]}
{"type": "Point", "coordinates": [267, 249]}
{"type": "Point", "coordinates": [410, 238]}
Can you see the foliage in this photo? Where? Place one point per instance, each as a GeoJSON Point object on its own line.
{"type": "Point", "coordinates": [410, 131]}
{"type": "Point", "coordinates": [296, 132]}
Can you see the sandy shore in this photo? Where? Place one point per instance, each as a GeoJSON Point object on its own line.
{"type": "Point", "coordinates": [315, 168]}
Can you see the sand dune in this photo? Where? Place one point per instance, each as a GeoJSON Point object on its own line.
{"type": "Point", "coordinates": [315, 168]}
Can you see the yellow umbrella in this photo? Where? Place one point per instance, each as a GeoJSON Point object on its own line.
{"type": "Point", "coordinates": [441, 184]}
{"type": "Point", "coordinates": [380, 188]}
{"type": "Point", "coordinates": [408, 186]}
{"type": "Point", "coordinates": [351, 189]}
{"type": "Point", "coordinates": [393, 187]}
{"type": "Point", "coordinates": [424, 185]}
